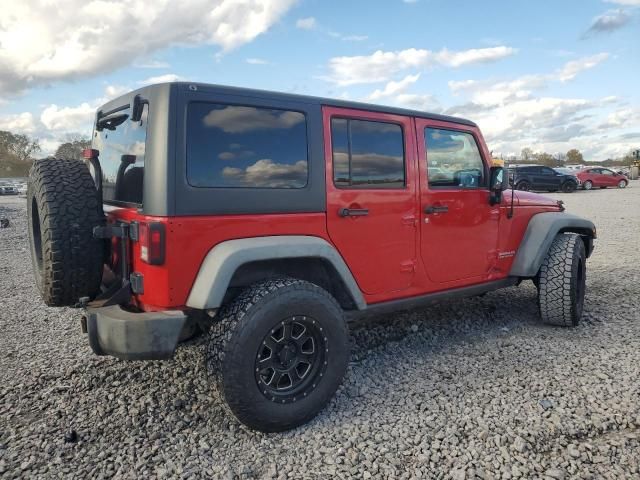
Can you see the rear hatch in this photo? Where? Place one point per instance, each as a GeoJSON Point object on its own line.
{"type": "Point", "coordinates": [119, 137]}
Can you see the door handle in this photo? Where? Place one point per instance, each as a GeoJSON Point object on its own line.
{"type": "Point", "coordinates": [436, 209]}
{"type": "Point", "coordinates": [353, 212]}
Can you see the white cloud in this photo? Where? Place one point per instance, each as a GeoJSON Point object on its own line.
{"type": "Point", "coordinates": [621, 118]}
{"type": "Point", "coordinates": [512, 115]}
{"type": "Point", "coordinates": [267, 173]}
{"type": "Point", "coordinates": [113, 91]}
{"type": "Point", "coordinates": [110, 34]}
{"type": "Point", "coordinates": [571, 69]}
{"type": "Point", "coordinates": [151, 63]}
{"type": "Point", "coordinates": [395, 93]}
{"type": "Point", "coordinates": [68, 119]}
{"type": "Point", "coordinates": [418, 101]}
{"type": "Point", "coordinates": [381, 65]}
{"type": "Point", "coordinates": [18, 123]}
{"type": "Point", "coordinates": [491, 92]}
{"type": "Point", "coordinates": [393, 88]}
{"type": "Point", "coordinates": [308, 23]}
{"type": "Point", "coordinates": [256, 61]}
{"type": "Point", "coordinates": [168, 77]}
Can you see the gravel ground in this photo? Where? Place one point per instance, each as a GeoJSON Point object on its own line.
{"type": "Point", "coordinates": [466, 389]}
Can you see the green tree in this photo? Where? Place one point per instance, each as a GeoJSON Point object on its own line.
{"type": "Point", "coordinates": [574, 157]}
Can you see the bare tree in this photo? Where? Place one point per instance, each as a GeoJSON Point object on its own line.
{"type": "Point", "coordinates": [72, 148]}
{"type": "Point", "coordinates": [20, 146]}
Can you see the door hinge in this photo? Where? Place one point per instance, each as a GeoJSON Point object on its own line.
{"type": "Point", "coordinates": [137, 283]}
{"type": "Point", "coordinates": [408, 267]}
{"type": "Point", "coordinates": [117, 230]}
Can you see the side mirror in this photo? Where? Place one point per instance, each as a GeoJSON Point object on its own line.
{"type": "Point", "coordinates": [498, 183]}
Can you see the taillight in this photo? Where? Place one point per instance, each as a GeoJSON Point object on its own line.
{"type": "Point", "coordinates": [151, 238]}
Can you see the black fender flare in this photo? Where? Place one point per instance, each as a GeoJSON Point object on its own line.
{"type": "Point", "coordinates": [542, 229]}
{"type": "Point", "coordinates": [224, 259]}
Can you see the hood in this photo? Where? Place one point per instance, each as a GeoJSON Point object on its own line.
{"type": "Point", "coordinates": [529, 199]}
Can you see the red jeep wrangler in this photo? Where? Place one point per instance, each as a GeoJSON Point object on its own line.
{"type": "Point", "coordinates": [268, 219]}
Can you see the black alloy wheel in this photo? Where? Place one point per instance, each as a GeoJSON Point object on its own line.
{"type": "Point", "coordinates": [291, 359]}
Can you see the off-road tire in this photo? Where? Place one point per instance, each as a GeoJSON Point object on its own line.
{"type": "Point", "coordinates": [561, 282]}
{"type": "Point", "coordinates": [569, 187]}
{"type": "Point", "coordinates": [63, 209]}
{"type": "Point", "coordinates": [237, 336]}
{"type": "Point", "coordinates": [523, 185]}
{"type": "Point", "coordinates": [588, 185]}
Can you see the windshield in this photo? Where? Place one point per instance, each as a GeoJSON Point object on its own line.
{"type": "Point", "coordinates": [121, 143]}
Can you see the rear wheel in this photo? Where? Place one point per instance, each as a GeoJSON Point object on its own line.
{"type": "Point", "coordinates": [569, 187]}
{"type": "Point", "coordinates": [523, 185]}
{"type": "Point", "coordinates": [278, 353]}
{"type": "Point", "coordinates": [588, 185]}
{"type": "Point", "coordinates": [63, 209]}
{"type": "Point", "coordinates": [562, 281]}
{"type": "Point", "coordinates": [622, 184]}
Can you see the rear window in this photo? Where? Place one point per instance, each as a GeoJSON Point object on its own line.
{"type": "Point", "coordinates": [121, 143]}
{"type": "Point", "coordinates": [236, 146]}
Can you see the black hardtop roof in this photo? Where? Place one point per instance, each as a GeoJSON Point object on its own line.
{"type": "Point", "coordinates": [250, 92]}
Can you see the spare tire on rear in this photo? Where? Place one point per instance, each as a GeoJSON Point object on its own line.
{"type": "Point", "coordinates": [63, 209]}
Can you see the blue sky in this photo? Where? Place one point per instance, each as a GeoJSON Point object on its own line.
{"type": "Point", "coordinates": [550, 75]}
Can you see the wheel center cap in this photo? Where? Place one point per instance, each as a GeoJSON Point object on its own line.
{"type": "Point", "coordinates": [287, 354]}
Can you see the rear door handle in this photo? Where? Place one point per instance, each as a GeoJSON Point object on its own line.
{"type": "Point", "coordinates": [353, 212]}
{"type": "Point", "coordinates": [436, 209]}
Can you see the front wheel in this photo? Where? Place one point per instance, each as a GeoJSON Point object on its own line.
{"type": "Point", "coordinates": [562, 281]}
{"type": "Point", "coordinates": [569, 187]}
{"type": "Point", "coordinates": [278, 353]}
{"type": "Point", "coordinates": [524, 185]}
{"type": "Point", "coordinates": [622, 184]}
{"type": "Point", "coordinates": [588, 185]}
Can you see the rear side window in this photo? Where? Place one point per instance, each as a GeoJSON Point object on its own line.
{"type": "Point", "coordinates": [453, 159]}
{"type": "Point", "coordinates": [121, 143]}
{"type": "Point", "coordinates": [237, 146]}
{"type": "Point", "coordinates": [367, 154]}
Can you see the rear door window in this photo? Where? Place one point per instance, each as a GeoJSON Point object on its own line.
{"type": "Point", "coordinates": [121, 143]}
{"type": "Point", "coordinates": [367, 154]}
{"type": "Point", "coordinates": [235, 146]}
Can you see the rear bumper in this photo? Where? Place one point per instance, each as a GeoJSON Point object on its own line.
{"type": "Point", "coordinates": [134, 336]}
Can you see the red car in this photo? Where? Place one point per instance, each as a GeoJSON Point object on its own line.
{"type": "Point", "coordinates": [601, 177]}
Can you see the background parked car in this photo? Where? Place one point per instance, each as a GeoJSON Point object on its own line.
{"type": "Point", "coordinates": [8, 190]}
{"type": "Point", "coordinates": [538, 177]}
{"type": "Point", "coordinates": [601, 177]}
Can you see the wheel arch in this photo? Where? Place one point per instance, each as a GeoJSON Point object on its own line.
{"type": "Point", "coordinates": [540, 233]}
{"type": "Point", "coordinates": [238, 263]}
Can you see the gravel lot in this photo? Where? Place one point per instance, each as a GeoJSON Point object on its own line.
{"type": "Point", "coordinates": [465, 389]}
